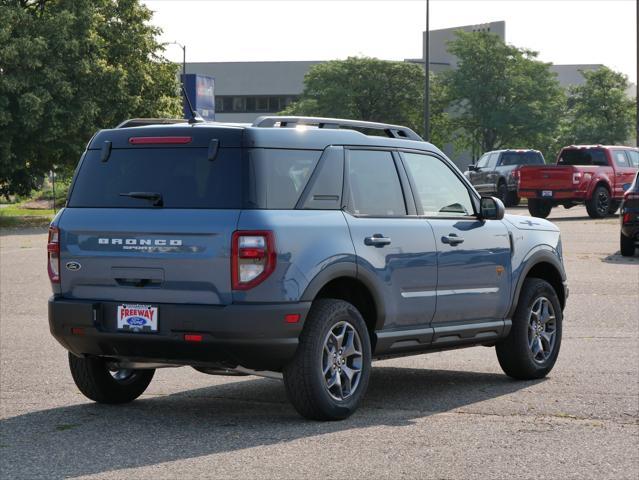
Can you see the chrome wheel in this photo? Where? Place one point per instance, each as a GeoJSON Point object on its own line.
{"type": "Point", "coordinates": [122, 374]}
{"type": "Point", "coordinates": [342, 361]}
{"type": "Point", "coordinates": [542, 329]}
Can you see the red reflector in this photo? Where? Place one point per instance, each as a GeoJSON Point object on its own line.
{"type": "Point", "coordinates": [77, 331]}
{"type": "Point", "coordinates": [158, 140]}
{"type": "Point", "coordinates": [192, 337]}
{"type": "Point", "coordinates": [292, 318]}
{"type": "Point", "coordinates": [627, 217]}
{"type": "Point", "coordinates": [252, 253]}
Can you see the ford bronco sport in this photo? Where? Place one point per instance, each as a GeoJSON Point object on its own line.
{"type": "Point", "coordinates": [300, 248]}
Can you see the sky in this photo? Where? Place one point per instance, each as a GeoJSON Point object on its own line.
{"type": "Point", "coordinates": [562, 31]}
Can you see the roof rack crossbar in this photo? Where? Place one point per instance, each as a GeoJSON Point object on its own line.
{"type": "Point", "coordinates": [138, 122]}
{"type": "Point", "coordinates": [393, 131]}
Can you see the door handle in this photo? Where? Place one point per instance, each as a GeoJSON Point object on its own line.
{"type": "Point", "coordinates": [452, 239]}
{"type": "Point", "coordinates": [378, 240]}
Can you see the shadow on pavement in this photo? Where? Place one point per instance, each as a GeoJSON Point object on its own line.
{"type": "Point", "coordinates": [618, 259]}
{"type": "Point", "coordinates": [90, 438]}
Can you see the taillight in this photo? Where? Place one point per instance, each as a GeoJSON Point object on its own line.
{"type": "Point", "coordinates": [53, 255]}
{"type": "Point", "coordinates": [630, 195]}
{"type": "Point", "coordinates": [252, 258]}
{"type": "Point", "coordinates": [516, 176]}
{"type": "Point", "coordinates": [576, 178]}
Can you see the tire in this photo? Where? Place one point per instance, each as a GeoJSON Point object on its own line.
{"type": "Point", "coordinates": [598, 204]}
{"type": "Point", "coordinates": [512, 199]}
{"type": "Point", "coordinates": [518, 354]}
{"type": "Point", "coordinates": [94, 379]}
{"type": "Point", "coordinates": [627, 245]}
{"type": "Point", "coordinates": [614, 206]}
{"type": "Point", "coordinates": [305, 378]}
{"type": "Point", "coordinates": [502, 192]}
{"type": "Point", "coordinates": [539, 208]}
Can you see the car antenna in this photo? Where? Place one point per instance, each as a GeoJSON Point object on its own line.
{"type": "Point", "coordinates": [195, 117]}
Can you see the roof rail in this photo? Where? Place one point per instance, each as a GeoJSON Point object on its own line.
{"type": "Point", "coordinates": [393, 131]}
{"type": "Point", "coordinates": [140, 122]}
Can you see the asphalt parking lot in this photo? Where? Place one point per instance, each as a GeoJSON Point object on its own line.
{"type": "Point", "coordinates": [444, 415]}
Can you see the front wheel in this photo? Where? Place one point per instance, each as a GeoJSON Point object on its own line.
{"type": "Point", "coordinates": [98, 382]}
{"type": "Point", "coordinates": [598, 205]}
{"type": "Point", "coordinates": [502, 193]}
{"type": "Point", "coordinates": [532, 346]}
{"type": "Point", "coordinates": [539, 208]}
{"type": "Point", "coordinates": [329, 374]}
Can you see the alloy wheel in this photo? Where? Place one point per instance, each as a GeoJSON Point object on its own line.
{"type": "Point", "coordinates": [342, 361]}
{"type": "Point", "coordinates": [542, 329]}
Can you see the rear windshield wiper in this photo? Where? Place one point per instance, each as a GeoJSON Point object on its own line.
{"type": "Point", "coordinates": [153, 196]}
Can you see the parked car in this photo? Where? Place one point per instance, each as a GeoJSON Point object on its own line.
{"type": "Point", "coordinates": [297, 253]}
{"type": "Point", "coordinates": [592, 174]}
{"type": "Point", "coordinates": [629, 218]}
{"type": "Point", "coordinates": [497, 173]}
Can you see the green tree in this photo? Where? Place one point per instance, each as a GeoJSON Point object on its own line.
{"type": "Point", "coordinates": [374, 90]}
{"type": "Point", "coordinates": [68, 68]}
{"type": "Point", "coordinates": [599, 111]}
{"type": "Point", "coordinates": [501, 96]}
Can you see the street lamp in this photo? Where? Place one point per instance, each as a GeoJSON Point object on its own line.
{"type": "Point", "coordinates": [427, 82]}
{"type": "Point", "coordinates": [183, 47]}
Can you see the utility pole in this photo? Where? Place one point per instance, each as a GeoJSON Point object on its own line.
{"type": "Point", "coordinates": [183, 47]}
{"type": "Point", "coordinates": [427, 77]}
{"type": "Point", "coordinates": [637, 81]}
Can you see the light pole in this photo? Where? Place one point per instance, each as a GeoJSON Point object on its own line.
{"type": "Point", "coordinates": [183, 47]}
{"type": "Point", "coordinates": [427, 77]}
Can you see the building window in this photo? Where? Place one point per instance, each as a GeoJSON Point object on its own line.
{"type": "Point", "coordinates": [252, 103]}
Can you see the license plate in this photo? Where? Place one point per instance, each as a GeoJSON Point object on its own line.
{"type": "Point", "coordinates": [546, 193]}
{"type": "Point", "coordinates": [137, 318]}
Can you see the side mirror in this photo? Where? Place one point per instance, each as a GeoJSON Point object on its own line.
{"type": "Point", "coordinates": [472, 167]}
{"type": "Point", "coordinates": [491, 208]}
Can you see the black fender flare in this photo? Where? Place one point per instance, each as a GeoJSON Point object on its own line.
{"type": "Point", "coordinates": [535, 258]}
{"type": "Point", "coordinates": [347, 270]}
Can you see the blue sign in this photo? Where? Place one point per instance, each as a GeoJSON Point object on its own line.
{"type": "Point", "coordinates": [201, 92]}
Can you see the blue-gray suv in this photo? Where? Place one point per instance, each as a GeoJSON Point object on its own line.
{"type": "Point", "coordinates": [300, 248]}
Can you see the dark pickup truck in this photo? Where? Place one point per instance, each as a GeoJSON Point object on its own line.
{"type": "Point", "coordinates": [592, 174]}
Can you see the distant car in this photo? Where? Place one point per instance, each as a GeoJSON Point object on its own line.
{"type": "Point", "coordinates": [596, 175]}
{"type": "Point", "coordinates": [497, 172]}
{"type": "Point", "coordinates": [629, 218]}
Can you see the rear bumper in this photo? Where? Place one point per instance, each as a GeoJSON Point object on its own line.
{"type": "Point", "coordinates": [253, 336]}
{"type": "Point", "coordinates": [557, 195]}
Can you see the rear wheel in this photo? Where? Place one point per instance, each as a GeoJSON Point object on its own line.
{"type": "Point", "coordinates": [539, 208]}
{"type": "Point", "coordinates": [329, 374]}
{"type": "Point", "coordinates": [614, 206]}
{"type": "Point", "coordinates": [598, 204]}
{"type": "Point", "coordinates": [627, 245]}
{"type": "Point", "coordinates": [512, 199]}
{"type": "Point", "coordinates": [502, 193]}
{"type": "Point", "coordinates": [532, 346]}
{"type": "Point", "coordinates": [102, 384]}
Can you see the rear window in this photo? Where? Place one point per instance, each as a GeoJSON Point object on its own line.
{"type": "Point", "coordinates": [184, 177]}
{"type": "Point", "coordinates": [583, 156]}
{"type": "Point", "coordinates": [277, 177]}
{"type": "Point", "coordinates": [521, 158]}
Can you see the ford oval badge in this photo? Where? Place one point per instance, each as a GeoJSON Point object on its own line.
{"type": "Point", "coordinates": [73, 266]}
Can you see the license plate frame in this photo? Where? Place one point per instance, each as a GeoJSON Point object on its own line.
{"type": "Point", "coordinates": [137, 318]}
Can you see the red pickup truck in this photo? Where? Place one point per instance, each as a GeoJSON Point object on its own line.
{"type": "Point", "coordinates": [596, 175]}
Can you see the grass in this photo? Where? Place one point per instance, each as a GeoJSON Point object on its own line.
{"type": "Point", "coordinates": [18, 216]}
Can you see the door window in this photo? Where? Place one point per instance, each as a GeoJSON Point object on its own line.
{"type": "Point", "coordinates": [492, 160]}
{"type": "Point", "coordinates": [374, 184]}
{"type": "Point", "coordinates": [483, 161]}
{"type": "Point", "coordinates": [440, 192]}
{"type": "Point", "coordinates": [620, 158]}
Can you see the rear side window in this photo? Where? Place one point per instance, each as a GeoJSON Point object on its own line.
{"type": "Point", "coordinates": [620, 158]}
{"type": "Point", "coordinates": [184, 177]}
{"type": "Point", "coordinates": [583, 156]}
{"type": "Point", "coordinates": [277, 177]}
{"type": "Point", "coordinates": [633, 155]}
{"type": "Point", "coordinates": [521, 158]}
{"type": "Point", "coordinates": [374, 184]}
